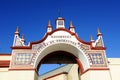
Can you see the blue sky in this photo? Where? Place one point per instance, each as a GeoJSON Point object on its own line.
{"type": "Point", "coordinates": [87, 15]}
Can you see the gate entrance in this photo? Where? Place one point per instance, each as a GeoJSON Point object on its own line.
{"type": "Point", "coordinates": [60, 58]}
{"type": "Point", "coordinates": [59, 46]}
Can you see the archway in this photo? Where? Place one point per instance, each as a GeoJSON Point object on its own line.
{"type": "Point", "coordinates": [57, 58]}
{"type": "Point", "coordinates": [69, 51]}
{"type": "Point", "coordinates": [61, 57]}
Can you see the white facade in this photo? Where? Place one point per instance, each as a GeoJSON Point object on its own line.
{"type": "Point", "coordinates": [89, 58]}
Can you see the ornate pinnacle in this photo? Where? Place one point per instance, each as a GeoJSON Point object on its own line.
{"type": "Point", "coordinates": [91, 38]}
{"type": "Point", "coordinates": [71, 25]}
{"type": "Point", "coordinates": [49, 23]}
{"type": "Point", "coordinates": [23, 38]}
{"type": "Point", "coordinates": [17, 30]}
{"type": "Point", "coordinates": [99, 33]}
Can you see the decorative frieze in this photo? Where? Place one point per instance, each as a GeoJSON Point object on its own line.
{"type": "Point", "coordinates": [23, 58]}
{"type": "Point", "coordinates": [97, 58]}
{"type": "Point", "coordinates": [66, 41]}
{"type": "Point", "coordinates": [39, 47]}
{"type": "Point", "coordinates": [60, 36]}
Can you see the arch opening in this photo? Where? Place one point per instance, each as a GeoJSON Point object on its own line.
{"type": "Point", "coordinates": [61, 58]}
{"type": "Point", "coordinates": [78, 53]}
{"type": "Point", "coordinates": [70, 54]}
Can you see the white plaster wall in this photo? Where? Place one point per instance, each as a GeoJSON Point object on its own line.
{"type": "Point", "coordinates": [115, 72]}
{"type": "Point", "coordinates": [4, 75]}
{"type": "Point", "coordinates": [96, 75]}
{"type": "Point", "coordinates": [3, 70]}
{"type": "Point", "coordinates": [17, 75]}
{"type": "Point", "coordinates": [114, 65]}
{"type": "Point", "coordinates": [5, 57]}
{"type": "Point", "coordinates": [73, 73]}
{"type": "Point", "coordinates": [100, 74]}
{"type": "Point", "coordinates": [85, 76]}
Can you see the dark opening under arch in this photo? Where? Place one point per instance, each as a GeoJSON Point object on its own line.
{"type": "Point", "coordinates": [61, 57]}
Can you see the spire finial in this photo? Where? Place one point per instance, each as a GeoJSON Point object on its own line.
{"type": "Point", "coordinates": [49, 23]}
{"type": "Point", "coordinates": [23, 39]}
{"type": "Point", "coordinates": [17, 30]}
{"type": "Point", "coordinates": [72, 28]}
{"type": "Point", "coordinates": [49, 27]}
{"type": "Point", "coordinates": [71, 25]}
{"type": "Point", "coordinates": [98, 32]}
{"type": "Point", "coordinates": [91, 38]}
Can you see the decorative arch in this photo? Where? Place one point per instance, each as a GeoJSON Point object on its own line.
{"type": "Point", "coordinates": [78, 54]}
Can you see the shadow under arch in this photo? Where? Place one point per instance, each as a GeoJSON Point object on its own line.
{"type": "Point", "coordinates": [77, 54]}
{"type": "Point", "coordinates": [61, 57]}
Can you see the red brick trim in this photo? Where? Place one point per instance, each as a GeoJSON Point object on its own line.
{"type": "Point", "coordinates": [80, 65]}
{"type": "Point", "coordinates": [21, 47]}
{"type": "Point", "coordinates": [55, 75]}
{"type": "Point", "coordinates": [99, 35]}
{"type": "Point", "coordinates": [98, 48]}
{"type": "Point", "coordinates": [4, 63]}
{"type": "Point", "coordinates": [5, 54]}
{"type": "Point", "coordinates": [94, 69]}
